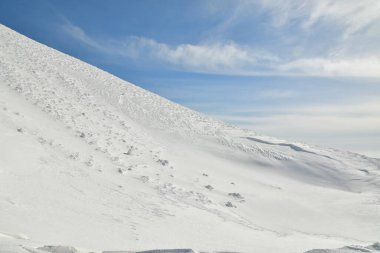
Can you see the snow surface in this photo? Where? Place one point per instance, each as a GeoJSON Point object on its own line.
{"type": "Point", "coordinates": [95, 162]}
{"type": "Point", "coordinates": [350, 249]}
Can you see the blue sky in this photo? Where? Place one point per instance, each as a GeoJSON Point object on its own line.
{"type": "Point", "coordinates": [300, 70]}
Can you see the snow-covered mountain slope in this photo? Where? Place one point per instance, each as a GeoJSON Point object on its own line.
{"type": "Point", "coordinates": [90, 160]}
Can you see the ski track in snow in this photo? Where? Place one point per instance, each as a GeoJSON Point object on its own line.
{"type": "Point", "coordinates": [85, 155]}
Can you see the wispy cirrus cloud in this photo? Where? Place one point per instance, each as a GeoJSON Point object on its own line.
{"type": "Point", "coordinates": [204, 57]}
{"type": "Point", "coordinates": [197, 57]}
{"type": "Point", "coordinates": [348, 18]}
{"type": "Point", "coordinates": [79, 34]}
{"type": "Point", "coordinates": [344, 56]}
{"type": "Point", "coordinates": [354, 66]}
{"type": "Point", "coordinates": [354, 16]}
{"type": "Point", "coordinates": [351, 15]}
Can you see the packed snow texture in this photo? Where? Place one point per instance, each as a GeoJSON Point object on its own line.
{"type": "Point", "coordinates": [350, 249]}
{"type": "Point", "coordinates": [92, 161]}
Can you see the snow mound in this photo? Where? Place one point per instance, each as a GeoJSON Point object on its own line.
{"type": "Point", "coordinates": [349, 249]}
{"type": "Point", "coordinates": [58, 249]}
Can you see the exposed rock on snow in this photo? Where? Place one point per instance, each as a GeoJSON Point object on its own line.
{"type": "Point", "coordinates": [229, 204]}
{"type": "Point", "coordinates": [236, 195]}
{"type": "Point", "coordinates": [209, 187]}
{"type": "Point", "coordinates": [163, 162]}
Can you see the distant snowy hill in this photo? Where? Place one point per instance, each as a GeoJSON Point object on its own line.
{"type": "Point", "coordinates": [95, 162]}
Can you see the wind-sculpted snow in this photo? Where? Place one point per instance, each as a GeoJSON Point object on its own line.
{"type": "Point", "coordinates": [90, 160]}
{"type": "Point", "coordinates": [375, 248]}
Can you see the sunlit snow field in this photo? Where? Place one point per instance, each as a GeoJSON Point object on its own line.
{"type": "Point", "coordinates": [91, 161]}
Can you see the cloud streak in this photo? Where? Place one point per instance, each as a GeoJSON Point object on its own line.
{"type": "Point", "coordinates": [329, 67]}
{"type": "Point", "coordinates": [353, 16]}
{"type": "Point", "coordinates": [354, 20]}
{"type": "Point", "coordinates": [204, 57]}
{"type": "Point", "coordinates": [208, 57]}
{"type": "Point", "coordinates": [80, 35]}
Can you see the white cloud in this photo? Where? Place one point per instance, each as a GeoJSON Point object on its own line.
{"type": "Point", "coordinates": [211, 56]}
{"type": "Point", "coordinates": [77, 33]}
{"type": "Point", "coordinates": [357, 109]}
{"type": "Point", "coordinates": [207, 57]}
{"type": "Point", "coordinates": [357, 67]}
{"type": "Point", "coordinates": [352, 15]}
{"type": "Point", "coordinates": [201, 57]}
{"type": "Point", "coordinates": [230, 58]}
{"type": "Point", "coordinates": [320, 28]}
